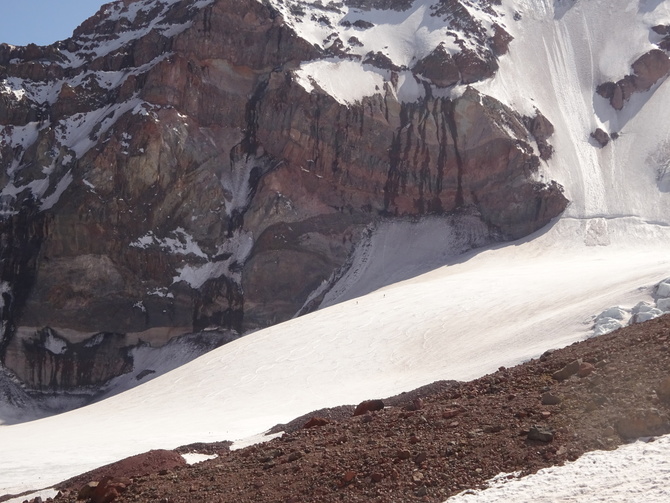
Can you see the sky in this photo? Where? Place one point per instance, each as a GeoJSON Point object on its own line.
{"type": "Point", "coordinates": [43, 22]}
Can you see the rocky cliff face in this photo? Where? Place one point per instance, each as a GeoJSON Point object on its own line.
{"type": "Point", "coordinates": [179, 165]}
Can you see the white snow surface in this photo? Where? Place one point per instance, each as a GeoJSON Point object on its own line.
{"type": "Point", "coordinates": [178, 242]}
{"type": "Point", "coordinates": [499, 305]}
{"type": "Point", "coordinates": [404, 37]}
{"type": "Point", "coordinates": [335, 77]}
{"type": "Point", "coordinates": [634, 472]}
{"type": "Point", "coordinates": [194, 457]}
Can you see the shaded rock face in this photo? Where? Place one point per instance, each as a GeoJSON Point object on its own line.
{"type": "Point", "coordinates": [49, 362]}
{"type": "Point", "coordinates": [185, 179]}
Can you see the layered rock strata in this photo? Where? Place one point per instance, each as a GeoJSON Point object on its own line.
{"type": "Point", "coordinates": [167, 170]}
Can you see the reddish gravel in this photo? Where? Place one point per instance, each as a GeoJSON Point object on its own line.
{"type": "Point", "coordinates": [441, 439]}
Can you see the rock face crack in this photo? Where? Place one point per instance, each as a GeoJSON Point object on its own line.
{"type": "Point", "coordinates": [21, 236]}
{"type": "Point", "coordinates": [453, 131]}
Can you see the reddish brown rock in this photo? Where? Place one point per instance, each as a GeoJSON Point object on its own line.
{"type": "Point", "coordinates": [108, 489]}
{"type": "Point", "coordinates": [642, 423]}
{"type": "Point", "coordinates": [403, 454]}
{"type": "Point", "coordinates": [569, 370]}
{"type": "Point", "coordinates": [414, 405]}
{"type": "Point", "coordinates": [368, 406]}
{"type": "Point", "coordinates": [449, 413]}
{"type": "Point", "coordinates": [540, 127]}
{"type": "Point", "coordinates": [540, 434]}
{"type": "Point", "coordinates": [349, 476]}
{"type": "Point", "coordinates": [663, 390]}
{"type": "Point", "coordinates": [439, 68]}
{"type": "Point", "coordinates": [601, 137]}
{"type": "Point", "coordinates": [315, 422]}
{"type": "Point", "coordinates": [121, 471]}
{"type": "Point", "coordinates": [585, 369]}
{"type": "Point", "coordinates": [86, 491]}
{"type": "Point", "coordinates": [647, 70]}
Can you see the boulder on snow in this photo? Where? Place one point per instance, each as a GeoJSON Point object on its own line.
{"type": "Point", "coordinates": [500, 40]}
{"type": "Point", "coordinates": [541, 129]}
{"type": "Point", "coordinates": [601, 137]}
{"type": "Point", "coordinates": [439, 68]}
{"type": "Point", "coordinates": [649, 69]}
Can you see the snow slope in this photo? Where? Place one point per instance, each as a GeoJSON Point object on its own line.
{"type": "Point", "coordinates": [496, 306]}
{"type": "Point", "coordinates": [631, 473]}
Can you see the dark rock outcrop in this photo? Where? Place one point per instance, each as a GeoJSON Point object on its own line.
{"type": "Point", "coordinates": [647, 70]}
{"type": "Point", "coordinates": [541, 129]}
{"type": "Point", "coordinates": [664, 31]}
{"type": "Point", "coordinates": [601, 137]}
{"type": "Point", "coordinates": [439, 68]}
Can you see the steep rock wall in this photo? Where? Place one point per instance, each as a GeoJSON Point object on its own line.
{"type": "Point", "coordinates": [186, 179]}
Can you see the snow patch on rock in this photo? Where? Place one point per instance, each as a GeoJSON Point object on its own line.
{"type": "Point", "coordinates": [226, 261]}
{"type": "Point", "coordinates": [193, 458]}
{"type": "Point", "coordinates": [178, 242]}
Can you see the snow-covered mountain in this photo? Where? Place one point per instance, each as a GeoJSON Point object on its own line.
{"type": "Point", "coordinates": [182, 166]}
{"type": "Point", "coordinates": [408, 301]}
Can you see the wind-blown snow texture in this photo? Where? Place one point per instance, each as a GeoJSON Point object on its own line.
{"type": "Point", "coordinates": [498, 306]}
